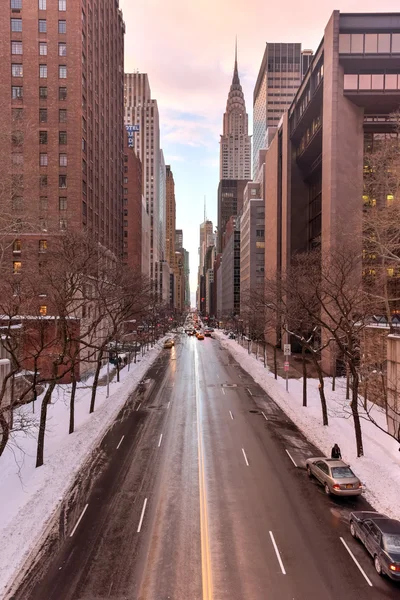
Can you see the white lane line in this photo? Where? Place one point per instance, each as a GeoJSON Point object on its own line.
{"type": "Point", "coordinates": [168, 404]}
{"type": "Point", "coordinates": [139, 405]}
{"type": "Point", "coordinates": [78, 521]}
{"type": "Point", "coordinates": [291, 458]}
{"type": "Point", "coordinates": [159, 443]}
{"type": "Point", "coordinates": [231, 415]}
{"type": "Point", "coordinates": [240, 376]}
{"type": "Point", "coordinates": [142, 516]}
{"type": "Point", "coordinates": [249, 391]}
{"type": "Point", "coordinates": [120, 441]}
{"type": "Point", "coordinates": [245, 457]}
{"type": "Point", "coordinates": [356, 561]}
{"type": "Point", "coordinates": [264, 415]}
{"type": "Point", "coordinates": [277, 553]}
{"type": "Point", "coordinates": [223, 391]}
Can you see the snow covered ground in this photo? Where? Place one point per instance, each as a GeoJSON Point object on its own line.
{"type": "Point", "coordinates": [379, 469]}
{"type": "Point", "coordinates": [29, 496]}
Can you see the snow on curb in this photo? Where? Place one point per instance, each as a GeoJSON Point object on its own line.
{"type": "Point", "coordinates": [379, 469]}
{"type": "Point", "coordinates": [47, 486]}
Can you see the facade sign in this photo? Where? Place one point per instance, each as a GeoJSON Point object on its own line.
{"type": "Point", "coordinates": [287, 350]}
{"type": "Point", "coordinates": [131, 129]}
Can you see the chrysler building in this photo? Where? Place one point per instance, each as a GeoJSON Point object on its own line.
{"type": "Point", "coordinates": [235, 152]}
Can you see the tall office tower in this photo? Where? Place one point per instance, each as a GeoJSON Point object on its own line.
{"type": "Point", "coordinates": [279, 78]}
{"type": "Point", "coordinates": [235, 144]}
{"type": "Point", "coordinates": [141, 111]}
{"type": "Point", "coordinates": [207, 238]}
{"type": "Point", "coordinates": [61, 119]}
{"type": "Point", "coordinates": [230, 203]}
{"type": "Point", "coordinates": [186, 270]}
{"type": "Point", "coordinates": [171, 217]}
{"type": "Point", "coordinates": [178, 239]}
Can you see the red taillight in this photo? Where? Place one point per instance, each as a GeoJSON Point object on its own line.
{"type": "Point", "coordinates": [336, 486]}
{"type": "Point", "coordinates": [395, 568]}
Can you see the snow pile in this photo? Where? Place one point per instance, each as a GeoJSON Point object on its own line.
{"type": "Point", "coordinates": [378, 469]}
{"type": "Point", "coordinates": [28, 496]}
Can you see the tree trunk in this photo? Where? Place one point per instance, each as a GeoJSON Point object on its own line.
{"type": "Point", "coordinates": [347, 381]}
{"type": "Point", "coordinates": [356, 416]}
{"type": "Point", "coordinates": [95, 382]}
{"type": "Point", "coordinates": [42, 426]}
{"type": "Point", "coordinates": [72, 404]}
{"type": "Point", "coordinates": [5, 432]}
{"type": "Point", "coordinates": [321, 389]}
{"type": "Point", "coordinates": [303, 355]}
{"type": "Point", "coordinates": [334, 373]}
{"type": "Point", "coordinates": [275, 364]}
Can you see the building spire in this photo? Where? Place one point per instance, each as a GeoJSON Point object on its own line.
{"type": "Point", "coordinates": [235, 70]}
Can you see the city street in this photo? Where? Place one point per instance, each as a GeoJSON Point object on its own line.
{"type": "Point", "coordinates": [204, 496]}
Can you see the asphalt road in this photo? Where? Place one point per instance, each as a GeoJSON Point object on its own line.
{"type": "Point", "coordinates": [203, 496]}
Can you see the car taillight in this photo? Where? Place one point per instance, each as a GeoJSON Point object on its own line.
{"type": "Point", "coordinates": [336, 486]}
{"type": "Point", "coordinates": [395, 568]}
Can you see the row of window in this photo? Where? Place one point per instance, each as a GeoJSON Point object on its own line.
{"type": "Point", "coordinates": [17, 4]}
{"type": "Point", "coordinates": [369, 43]}
{"type": "Point", "coordinates": [17, 48]}
{"type": "Point", "coordinates": [17, 70]}
{"type": "Point", "coordinates": [44, 160]}
{"type": "Point", "coordinates": [17, 246]}
{"type": "Point", "coordinates": [18, 203]}
{"type": "Point", "coordinates": [16, 26]}
{"type": "Point", "coordinates": [17, 92]}
{"type": "Point", "coordinates": [374, 81]}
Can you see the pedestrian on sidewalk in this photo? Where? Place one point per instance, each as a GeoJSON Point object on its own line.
{"type": "Point", "coordinates": [336, 453]}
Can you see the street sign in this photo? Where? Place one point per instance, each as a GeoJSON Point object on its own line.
{"type": "Point", "coordinates": [287, 351]}
{"type": "Point", "coordinates": [286, 366]}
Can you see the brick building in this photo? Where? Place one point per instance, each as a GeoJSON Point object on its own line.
{"type": "Point", "coordinates": [61, 120]}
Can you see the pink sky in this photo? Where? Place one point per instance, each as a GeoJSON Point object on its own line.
{"type": "Point", "coordinates": [187, 49]}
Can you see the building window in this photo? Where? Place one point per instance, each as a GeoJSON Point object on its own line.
{"type": "Point", "coordinates": [63, 160]}
{"type": "Point", "coordinates": [43, 137]}
{"type": "Point", "coordinates": [350, 82]}
{"type": "Point", "coordinates": [43, 204]}
{"type": "Point", "coordinates": [17, 265]}
{"type": "Point", "coordinates": [43, 310]}
{"type": "Point", "coordinates": [62, 49]}
{"type": "Point", "coordinates": [62, 137]}
{"type": "Point", "coordinates": [62, 71]}
{"type": "Point", "coordinates": [42, 4]}
{"type": "Point", "coordinates": [43, 71]}
{"type": "Point", "coordinates": [43, 159]}
{"type": "Point", "coordinates": [62, 5]}
{"type": "Point", "coordinates": [62, 115]}
{"type": "Point", "coordinates": [62, 93]}
{"type": "Point", "coordinates": [42, 48]}
{"type": "Point", "coordinates": [42, 115]}
{"type": "Point", "coordinates": [62, 181]}
{"type": "Point", "coordinates": [63, 223]}
{"type": "Point", "coordinates": [17, 247]}
{"type": "Point", "coordinates": [16, 91]}
{"type": "Point", "coordinates": [43, 93]}
{"type": "Point", "coordinates": [17, 203]}
{"type": "Point", "coordinates": [42, 245]}
{"type": "Point", "coordinates": [16, 3]}
{"type": "Point", "coordinates": [17, 159]}
{"type": "Point", "coordinates": [62, 26]}
{"type": "Point", "coordinates": [62, 203]}
{"type": "Point", "coordinates": [16, 48]}
{"type": "Point", "coordinates": [42, 26]}
{"type": "Point", "coordinates": [17, 70]}
{"type": "Point", "coordinates": [17, 114]}
{"type": "Point", "coordinates": [43, 181]}
{"type": "Point", "coordinates": [16, 25]}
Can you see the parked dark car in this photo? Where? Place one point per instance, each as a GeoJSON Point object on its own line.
{"type": "Point", "coordinates": [232, 336]}
{"type": "Point", "coordinates": [381, 537]}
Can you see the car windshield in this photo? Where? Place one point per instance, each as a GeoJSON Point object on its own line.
{"type": "Point", "coordinates": [342, 472]}
{"type": "Point", "coordinates": [392, 543]}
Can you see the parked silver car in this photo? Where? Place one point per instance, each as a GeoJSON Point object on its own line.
{"type": "Point", "coordinates": [335, 475]}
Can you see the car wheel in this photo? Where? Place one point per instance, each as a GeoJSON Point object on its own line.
{"type": "Point", "coordinates": [353, 530]}
{"type": "Point", "coordinates": [327, 490]}
{"type": "Point", "coordinates": [378, 566]}
{"type": "Point", "coordinates": [309, 473]}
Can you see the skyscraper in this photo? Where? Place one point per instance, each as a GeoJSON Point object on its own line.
{"type": "Point", "coordinates": [235, 144]}
{"type": "Point", "coordinates": [141, 111]}
{"type": "Point", "coordinates": [61, 119]}
{"type": "Point", "coordinates": [282, 68]}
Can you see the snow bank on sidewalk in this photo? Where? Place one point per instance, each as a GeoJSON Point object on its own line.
{"type": "Point", "coordinates": [379, 469]}
{"type": "Point", "coordinates": [29, 496]}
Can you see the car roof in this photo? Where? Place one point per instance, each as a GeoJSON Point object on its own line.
{"type": "Point", "coordinates": [387, 525]}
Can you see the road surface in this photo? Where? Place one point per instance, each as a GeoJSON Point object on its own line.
{"type": "Point", "coordinates": [204, 496]}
